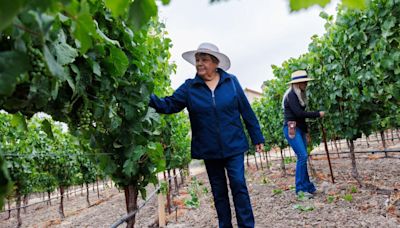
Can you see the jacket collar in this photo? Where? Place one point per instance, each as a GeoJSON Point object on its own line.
{"type": "Point", "coordinates": [222, 74]}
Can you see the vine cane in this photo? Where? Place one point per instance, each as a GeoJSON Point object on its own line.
{"type": "Point", "coordinates": [326, 150]}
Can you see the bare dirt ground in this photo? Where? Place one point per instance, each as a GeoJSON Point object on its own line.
{"type": "Point", "coordinates": [343, 204]}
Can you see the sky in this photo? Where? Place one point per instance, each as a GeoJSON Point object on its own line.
{"type": "Point", "coordinates": [254, 34]}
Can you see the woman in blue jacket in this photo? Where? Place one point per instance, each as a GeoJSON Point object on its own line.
{"type": "Point", "coordinates": [215, 102]}
{"type": "Point", "coordinates": [295, 128]}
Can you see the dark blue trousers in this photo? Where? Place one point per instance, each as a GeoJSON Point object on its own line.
{"type": "Point", "coordinates": [234, 167]}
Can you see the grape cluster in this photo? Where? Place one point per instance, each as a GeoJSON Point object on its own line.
{"type": "Point", "coordinates": [100, 127]}
{"type": "Point", "coordinates": [85, 120]}
{"type": "Point", "coordinates": [37, 61]}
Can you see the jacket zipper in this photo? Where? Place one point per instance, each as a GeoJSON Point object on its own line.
{"type": "Point", "coordinates": [218, 130]}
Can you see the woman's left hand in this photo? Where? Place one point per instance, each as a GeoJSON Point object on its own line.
{"type": "Point", "coordinates": [260, 148]}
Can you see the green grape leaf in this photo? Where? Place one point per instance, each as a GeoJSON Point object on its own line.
{"type": "Point", "coordinates": [155, 152]}
{"type": "Point", "coordinates": [57, 69]}
{"type": "Point", "coordinates": [84, 28]}
{"type": "Point", "coordinates": [46, 127]}
{"type": "Point", "coordinates": [9, 75]}
{"type": "Point", "coordinates": [64, 53]}
{"type": "Point", "coordinates": [117, 7]}
{"type": "Point", "coordinates": [151, 116]}
{"type": "Point", "coordinates": [8, 10]}
{"type": "Point", "coordinates": [165, 2]}
{"type": "Point", "coordinates": [5, 182]}
{"type": "Point", "coordinates": [118, 61]}
{"type": "Point", "coordinates": [106, 38]}
{"type": "Point", "coordinates": [141, 11]}
{"type": "Point", "coordinates": [18, 121]}
{"type": "Point", "coordinates": [130, 168]}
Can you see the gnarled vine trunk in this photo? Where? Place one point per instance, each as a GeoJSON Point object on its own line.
{"type": "Point", "coordinates": [131, 195]}
{"type": "Point", "coordinates": [61, 208]}
{"type": "Point", "coordinates": [354, 171]}
{"type": "Point", "coordinates": [87, 194]}
{"type": "Point", "coordinates": [97, 184]}
{"type": "Point", "coordinates": [49, 198]}
{"type": "Point", "coordinates": [383, 142]}
{"type": "Point", "coordinates": [175, 181]}
{"type": "Point", "coordinates": [25, 201]}
{"type": "Point", "coordinates": [18, 204]}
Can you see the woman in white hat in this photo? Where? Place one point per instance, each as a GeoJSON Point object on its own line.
{"type": "Point", "coordinates": [215, 102]}
{"type": "Point", "coordinates": [295, 128]}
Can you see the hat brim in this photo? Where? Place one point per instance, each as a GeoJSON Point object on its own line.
{"type": "Point", "coordinates": [300, 80]}
{"type": "Point", "coordinates": [224, 62]}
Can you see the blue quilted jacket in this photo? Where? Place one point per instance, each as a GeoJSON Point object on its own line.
{"type": "Point", "coordinates": [217, 130]}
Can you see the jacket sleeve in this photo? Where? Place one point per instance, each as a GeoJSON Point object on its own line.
{"type": "Point", "coordinates": [249, 118]}
{"type": "Point", "coordinates": [295, 106]}
{"type": "Point", "coordinates": [170, 104]}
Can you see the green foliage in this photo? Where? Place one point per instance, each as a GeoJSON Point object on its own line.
{"type": "Point", "coordinates": [303, 4]}
{"type": "Point", "coordinates": [93, 65]}
{"type": "Point", "coordinates": [355, 4]}
{"type": "Point", "coordinates": [194, 192]}
{"type": "Point", "coordinates": [266, 110]}
{"type": "Point", "coordinates": [348, 197]}
{"type": "Point", "coordinates": [277, 191]}
{"type": "Point", "coordinates": [137, 12]}
{"type": "Point", "coordinates": [5, 181]}
{"type": "Point", "coordinates": [355, 64]}
{"type": "Point", "coordinates": [265, 180]}
{"type": "Point", "coordinates": [193, 202]}
{"type": "Point", "coordinates": [354, 85]}
{"type": "Point", "coordinates": [296, 5]}
{"type": "Point", "coordinates": [8, 10]}
{"type": "Point", "coordinates": [117, 7]}
{"type": "Point", "coordinates": [41, 156]}
{"type": "Point", "coordinates": [303, 208]}
{"type": "Point", "coordinates": [289, 160]}
{"type": "Point", "coordinates": [353, 189]}
{"type": "Point", "coordinates": [330, 199]}
{"type": "Point", "coordinates": [175, 139]}
{"type": "Point", "coordinates": [164, 187]}
{"type": "Point", "coordinates": [141, 11]}
{"type": "Point", "coordinates": [301, 196]}
{"type": "Point", "coordinates": [8, 74]}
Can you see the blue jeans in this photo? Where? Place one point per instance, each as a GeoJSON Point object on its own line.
{"type": "Point", "coordinates": [241, 199]}
{"type": "Point", "coordinates": [299, 145]}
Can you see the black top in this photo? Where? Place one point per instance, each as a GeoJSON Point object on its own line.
{"type": "Point", "coordinates": [293, 111]}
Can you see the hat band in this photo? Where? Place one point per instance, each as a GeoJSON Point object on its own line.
{"type": "Point", "coordinates": [298, 77]}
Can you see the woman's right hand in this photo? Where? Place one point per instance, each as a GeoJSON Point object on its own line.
{"type": "Point", "coordinates": [321, 114]}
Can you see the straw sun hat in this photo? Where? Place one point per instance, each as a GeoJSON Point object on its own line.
{"type": "Point", "coordinates": [211, 49]}
{"type": "Point", "coordinates": [299, 76]}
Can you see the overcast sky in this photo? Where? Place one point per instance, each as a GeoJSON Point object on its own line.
{"type": "Point", "coordinates": [254, 34]}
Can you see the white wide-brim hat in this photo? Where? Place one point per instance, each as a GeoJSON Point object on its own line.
{"type": "Point", "coordinates": [211, 49]}
{"type": "Point", "coordinates": [299, 76]}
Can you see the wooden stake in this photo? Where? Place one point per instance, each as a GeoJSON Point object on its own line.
{"type": "Point", "coordinates": [161, 210]}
